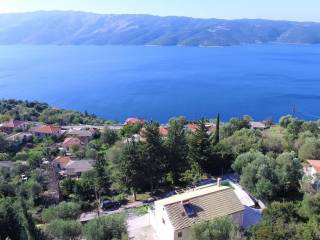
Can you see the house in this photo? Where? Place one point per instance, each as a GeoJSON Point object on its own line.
{"type": "Point", "coordinates": [193, 127]}
{"type": "Point", "coordinates": [14, 125]}
{"type": "Point", "coordinates": [84, 135]}
{"type": "Point", "coordinates": [258, 125]}
{"type": "Point", "coordinates": [164, 131]}
{"type": "Point", "coordinates": [6, 165]}
{"type": "Point", "coordinates": [17, 139]}
{"type": "Point", "coordinates": [134, 121]}
{"type": "Point", "coordinates": [69, 142]}
{"type": "Point", "coordinates": [173, 217]}
{"type": "Point", "coordinates": [311, 168]}
{"type": "Point", "coordinates": [76, 167]}
{"type": "Point", "coordinates": [61, 162]}
{"type": "Point", "coordinates": [211, 127]}
{"type": "Point", "coordinates": [135, 138]}
{"type": "Point", "coordinates": [44, 131]}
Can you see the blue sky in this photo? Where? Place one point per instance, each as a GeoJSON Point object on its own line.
{"type": "Point", "coordinates": [301, 10]}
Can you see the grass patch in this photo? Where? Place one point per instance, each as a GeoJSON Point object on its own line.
{"type": "Point", "coordinates": [140, 210]}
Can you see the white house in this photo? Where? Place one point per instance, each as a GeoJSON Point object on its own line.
{"type": "Point", "coordinates": [173, 217]}
{"type": "Point", "coordinates": [311, 168]}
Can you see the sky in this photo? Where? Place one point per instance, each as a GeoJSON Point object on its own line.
{"type": "Point", "coordinates": [299, 10]}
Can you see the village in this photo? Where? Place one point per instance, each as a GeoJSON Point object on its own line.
{"type": "Point", "coordinates": [170, 215]}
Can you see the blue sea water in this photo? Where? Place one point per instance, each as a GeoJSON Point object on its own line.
{"type": "Point", "coordinates": [157, 83]}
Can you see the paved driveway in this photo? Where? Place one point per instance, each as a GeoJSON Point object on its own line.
{"type": "Point", "coordinates": [139, 228]}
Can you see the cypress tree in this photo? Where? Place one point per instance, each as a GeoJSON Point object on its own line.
{"type": "Point", "coordinates": [217, 133]}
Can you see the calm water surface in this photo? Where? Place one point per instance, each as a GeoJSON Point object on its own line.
{"type": "Point", "coordinates": [159, 82]}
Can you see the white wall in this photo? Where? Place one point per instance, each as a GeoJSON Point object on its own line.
{"type": "Point", "coordinates": [164, 230]}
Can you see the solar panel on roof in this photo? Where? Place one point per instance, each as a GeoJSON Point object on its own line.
{"type": "Point", "coordinates": [189, 209]}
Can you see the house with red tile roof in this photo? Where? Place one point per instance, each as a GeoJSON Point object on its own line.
{"type": "Point", "coordinates": [311, 168]}
{"type": "Point", "coordinates": [164, 131]}
{"type": "Point", "coordinates": [134, 121]}
{"type": "Point", "coordinates": [61, 162]}
{"type": "Point", "coordinates": [193, 127]}
{"type": "Point", "coordinates": [44, 131]}
{"type": "Point", "coordinates": [12, 125]}
{"type": "Point", "coordinates": [69, 142]}
{"type": "Point", "coordinates": [85, 135]}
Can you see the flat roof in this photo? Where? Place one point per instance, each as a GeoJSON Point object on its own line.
{"type": "Point", "coordinates": [193, 193]}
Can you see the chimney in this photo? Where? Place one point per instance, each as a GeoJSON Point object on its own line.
{"type": "Point", "coordinates": [219, 182]}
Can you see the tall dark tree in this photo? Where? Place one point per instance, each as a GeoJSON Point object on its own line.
{"type": "Point", "coordinates": [130, 167]}
{"type": "Point", "coordinates": [217, 133]}
{"type": "Point", "coordinates": [153, 154]}
{"type": "Point", "coordinates": [176, 148]}
{"type": "Point", "coordinates": [10, 222]}
{"type": "Point", "coordinates": [102, 182]}
{"type": "Point", "coordinates": [200, 151]}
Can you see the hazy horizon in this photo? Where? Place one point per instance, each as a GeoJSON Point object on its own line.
{"type": "Point", "coordinates": [287, 10]}
{"type": "Point", "coordinates": [149, 14]}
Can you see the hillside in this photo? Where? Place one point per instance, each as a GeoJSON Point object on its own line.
{"type": "Point", "coordinates": [75, 28]}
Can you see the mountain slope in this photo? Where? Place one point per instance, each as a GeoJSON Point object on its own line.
{"type": "Point", "coordinates": [73, 28]}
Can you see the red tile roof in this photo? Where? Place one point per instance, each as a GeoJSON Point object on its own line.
{"type": "Point", "coordinates": [315, 164]}
{"type": "Point", "coordinates": [63, 161]}
{"type": "Point", "coordinates": [134, 120]}
{"type": "Point", "coordinates": [71, 141]}
{"type": "Point", "coordinates": [48, 129]}
{"type": "Point", "coordinates": [192, 126]}
{"type": "Point", "coordinates": [163, 131]}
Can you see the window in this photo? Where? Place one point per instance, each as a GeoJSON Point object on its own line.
{"type": "Point", "coordinates": [179, 234]}
{"type": "Point", "coordinates": [163, 221]}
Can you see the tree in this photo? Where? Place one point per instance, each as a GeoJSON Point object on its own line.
{"type": "Point", "coordinates": [3, 143]}
{"type": "Point", "coordinates": [109, 136]}
{"type": "Point", "coordinates": [235, 124]}
{"type": "Point", "coordinates": [64, 230]}
{"type": "Point", "coordinates": [217, 133]}
{"type": "Point", "coordinates": [102, 181]}
{"type": "Point", "coordinates": [289, 173]}
{"type": "Point", "coordinates": [112, 227]}
{"type": "Point", "coordinates": [311, 206]}
{"type": "Point", "coordinates": [310, 149]}
{"type": "Point", "coordinates": [279, 221]}
{"type": "Point", "coordinates": [218, 229]}
{"type": "Point", "coordinates": [200, 151]}
{"type": "Point", "coordinates": [131, 170]}
{"type": "Point", "coordinates": [286, 120]}
{"type": "Point", "coordinates": [10, 221]}
{"type": "Point", "coordinates": [176, 149]}
{"type": "Point", "coordinates": [242, 141]}
{"type": "Point", "coordinates": [153, 154]}
{"type": "Point", "coordinates": [270, 178]}
{"type": "Point", "coordinates": [245, 159]}
{"type": "Point", "coordinates": [273, 141]}
{"type": "Point", "coordinates": [131, 129]}
{"type": "Point", "coordinates": [63, 211]}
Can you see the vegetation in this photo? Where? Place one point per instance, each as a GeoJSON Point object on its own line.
{"type": "Point", "coordinates": [269, 163]}
{"type": "Point", "coordinates": [42, 112]}
{"type": "Point", "coordinates": [218, 229]}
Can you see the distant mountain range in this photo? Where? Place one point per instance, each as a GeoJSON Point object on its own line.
{"type": "Point", "coordinates": [75, 28]}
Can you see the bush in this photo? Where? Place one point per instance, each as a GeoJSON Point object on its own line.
{"type": "Point", "coordinates": [64, 230]}
{"type": "Point", "coordinates": [218, 229]}
{"type": "Point", "coordinates": [65, 211]}
{"type": "Point", "coordinates": [112, 227]}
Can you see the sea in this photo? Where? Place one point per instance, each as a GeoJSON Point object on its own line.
{"type": "Point", "coordinates": [156, 83]}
